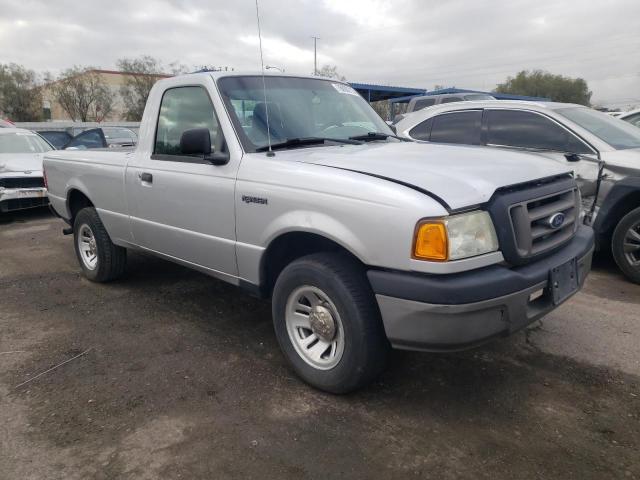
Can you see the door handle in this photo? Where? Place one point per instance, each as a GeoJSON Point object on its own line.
{"type": "Point", "coordinates": [146, 177]}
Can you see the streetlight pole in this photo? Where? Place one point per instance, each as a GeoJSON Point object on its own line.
{"type": "Point", "coordinates": [315, 56]}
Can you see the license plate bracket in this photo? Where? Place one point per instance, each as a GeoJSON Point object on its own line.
{"type": "Point", "coordinates": [563, 281]}
{"type": "Point", "coordinates": [35, 193]}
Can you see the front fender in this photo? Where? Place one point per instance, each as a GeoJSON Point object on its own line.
{"type": "Point", "coordinates": [622, 197]}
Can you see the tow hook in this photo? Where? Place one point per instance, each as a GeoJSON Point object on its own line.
{"type": "Point", "coordinates": [67, 231]}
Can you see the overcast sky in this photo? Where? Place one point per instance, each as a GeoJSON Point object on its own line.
{"type": "Point", "coordinates": [467, 44]}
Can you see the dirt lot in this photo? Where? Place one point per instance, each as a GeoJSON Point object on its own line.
{"type": "Point", "coordinates": [183, 379]}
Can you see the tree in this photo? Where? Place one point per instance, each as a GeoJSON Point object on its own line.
{"type": "Point", "coordinates": [538, 83]}
{"type": "Point", "coordinates": [143, 73]}
{"type": "Point", "coordinates": [83, 94]}
{"type": "Point", "coordinates": [330, 71]}
{"type": "Point", "coordinates": [20, 96]}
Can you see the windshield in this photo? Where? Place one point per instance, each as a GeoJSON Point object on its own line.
{"type": "Point", "coordinates": [297, 108]}
{"type": "Point", "coordinates": [617, 133]}
{"type": "Point", "coordinates": [20, 142]}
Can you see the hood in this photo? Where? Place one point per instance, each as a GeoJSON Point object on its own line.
{"type": "Point", "coordinates": [460, 176]}
{"type": "Point", "coordinates": [20, 162]}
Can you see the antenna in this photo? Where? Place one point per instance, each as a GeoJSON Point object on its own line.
{"type": "Point", "coordinates": [315, 55]}
{"type": "Point", "coordinates": [264, 84]}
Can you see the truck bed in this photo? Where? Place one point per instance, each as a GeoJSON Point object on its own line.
{"type": "Point", "coordinates": [97, 174]}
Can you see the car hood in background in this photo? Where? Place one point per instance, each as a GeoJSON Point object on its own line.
{"type": "Point", "coordinates": [461, 176]}
{"type": "Point", "coordinates": [20, 162]}
{"type": "Point", "coordinates": [627, 158]}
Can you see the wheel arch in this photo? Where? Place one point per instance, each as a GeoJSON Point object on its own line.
{"type": "Point", "coordinates": [623, 197]}
{"type": "Point", "coordinates": [76, 201]}
{"type": "Point", "coordinates": [291, 245]}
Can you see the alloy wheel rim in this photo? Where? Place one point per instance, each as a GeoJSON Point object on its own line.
{"type": "Point", "coordinates": [314, 327]}
{"type": "Point", "coordinates": [87, 247]}
{"type": "Point", "coordinates": [631, 245]}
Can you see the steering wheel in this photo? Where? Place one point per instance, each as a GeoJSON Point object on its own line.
{"type": "Point", "coordinates": [328, 126]}
{"type": "Point", "coordinates": [352, 129]}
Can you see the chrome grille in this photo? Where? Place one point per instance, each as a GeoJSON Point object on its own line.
{"type": "Point", "coordinates": [532, 222]}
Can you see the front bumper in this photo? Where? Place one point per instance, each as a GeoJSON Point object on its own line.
{"type": "Point", "coordinates": [20, 198]}
{"type": "Point", "coordinates": [459, 311]}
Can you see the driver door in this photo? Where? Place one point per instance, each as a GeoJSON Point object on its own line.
{"type": "Point", "coordinates": [183, 206]}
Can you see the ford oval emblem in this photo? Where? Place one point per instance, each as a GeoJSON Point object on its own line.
{"type": "Point", "coordinates": [556, 220]}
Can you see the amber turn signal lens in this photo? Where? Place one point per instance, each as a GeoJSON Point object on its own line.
{"type": "Point", "coordinates": [431, 242]}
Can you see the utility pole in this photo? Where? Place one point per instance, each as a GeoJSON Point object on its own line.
{"type": "Point", "coordinates": [315, 56]}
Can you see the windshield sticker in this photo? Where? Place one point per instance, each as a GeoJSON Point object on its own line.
{"type": "Point", "coordinates": [342, 88]}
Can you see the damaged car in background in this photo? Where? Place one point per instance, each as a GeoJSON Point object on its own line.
{"type": "Point", "coordinates": [603, 151]}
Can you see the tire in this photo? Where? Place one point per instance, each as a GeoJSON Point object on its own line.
{"type": "Point", "coordinates": [99, 258]}
{"type": "Point", "coordinates": [628, 232]}
{"type": "Point", "coordinates": [358, 348]}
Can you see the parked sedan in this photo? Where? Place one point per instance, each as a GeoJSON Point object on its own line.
{"type": "Point", "coordinates": [21, 178]}
{"type": "Point", "coordinates": [103, 137]}
{"type": "Point", "coordinates": [605, 152]}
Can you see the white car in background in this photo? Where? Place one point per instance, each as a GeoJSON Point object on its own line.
{"type": "Point", "coordinates": [632, 117]}
{"type": "Point", "coordinates": [566, 133]}
{"type": "Point", "coordinates": [21, 178]}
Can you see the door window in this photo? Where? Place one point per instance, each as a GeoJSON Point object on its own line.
{"type": "Point", "coordinates": [458, 127]}
{"type": "Point", "coordinates": [530, 130]}
{"type": "Point", "coordinates": [424, 103]}
{"type": "Point", "coordinates": [184, 108]}
{"type": "Point", "coordinates": [451, 99]}
{"type": "Point", "coordinates": [89, 139]}
{"type": "Point", "coordinates": [422, 131]}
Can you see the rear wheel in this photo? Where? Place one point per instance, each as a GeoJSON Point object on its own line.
{"type": "Point", "coordinates": [625, 245]}
{"type": "Point", "coordinates": [328, 324]}
{"type": "Point", "coordinates": [101, 260]}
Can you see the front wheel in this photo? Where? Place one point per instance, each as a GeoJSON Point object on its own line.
{"type": "Point", "coordinates": [625, 245]}
{"type": "Point", "coordinates": [101, 260]}
{"type": "Point", "coordinates": [328, 324]}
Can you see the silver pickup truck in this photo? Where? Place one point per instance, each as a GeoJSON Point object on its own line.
{"type": "Point", "coordinates": [293, 188]}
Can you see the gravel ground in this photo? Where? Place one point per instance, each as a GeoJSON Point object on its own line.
{"type": "Point", "coordinates": [180, 376]}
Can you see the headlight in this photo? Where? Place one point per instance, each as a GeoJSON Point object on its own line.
{"type": "Point", "coordinates": [455, 237]}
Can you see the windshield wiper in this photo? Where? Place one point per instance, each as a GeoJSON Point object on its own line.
{"type": "Point", "coordinates": [302, 141]}
{"type": "Point", "coordinates": [370, 136]}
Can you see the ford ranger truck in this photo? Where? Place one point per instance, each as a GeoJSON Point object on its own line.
{"type": "Point", "coordinates": [296, 190]}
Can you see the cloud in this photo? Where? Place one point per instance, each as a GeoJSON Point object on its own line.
{"type": "Point", "coordinates": [472, 44]}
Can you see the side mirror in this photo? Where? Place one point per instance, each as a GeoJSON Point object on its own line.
{"type": "Point", "coordinates": [197, 141]}
{"type": "Point", "coordinates": [572, 157]}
